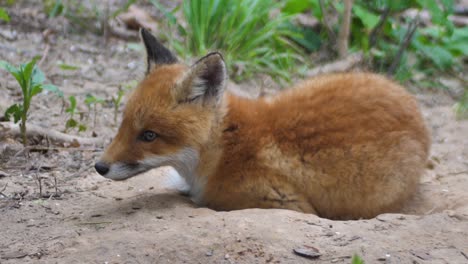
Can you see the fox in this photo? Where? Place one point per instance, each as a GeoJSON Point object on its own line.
{"type": "Point", "coordinates": [340, 146]}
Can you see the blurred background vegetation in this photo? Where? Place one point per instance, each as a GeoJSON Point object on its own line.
{"type": "Point", "coordinates": [415, 41]}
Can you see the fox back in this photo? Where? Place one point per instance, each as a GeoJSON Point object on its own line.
{"type": "Point", "coordinates": [341, 146]}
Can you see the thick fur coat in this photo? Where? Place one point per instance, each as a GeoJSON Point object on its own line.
{"type": "Point", "coordinates": [342, 146]}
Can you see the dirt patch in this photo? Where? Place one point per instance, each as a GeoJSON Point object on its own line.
{"type": "Point", "coordinates": [84, 218]}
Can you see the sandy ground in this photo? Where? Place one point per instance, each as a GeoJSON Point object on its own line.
{"type": "Point", "coordinates": [84, 218]}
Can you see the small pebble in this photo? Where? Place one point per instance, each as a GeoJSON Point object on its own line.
{"type": "Point", "coordinates": [307, 252]}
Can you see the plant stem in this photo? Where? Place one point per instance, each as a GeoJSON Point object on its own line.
{"type": "Point", "coordinates": [116, 110]}
{"type": "Point", "coordinates": [95, 113]}
{"type": "Point", "coordinates": [23, 130]}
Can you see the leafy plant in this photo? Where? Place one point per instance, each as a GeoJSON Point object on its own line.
{"type": "Point", "coordinates": [252, 40]}
{"type": "Point", "coordinates": [356, 260]}
{"type": "Point", "coordinates": [31, 80]}
{"type": "Point", "coordinates": [71, 121]}
{"type": "Point", "coordinates": [116, 100]}
{"type": "Point", "coordinates": [92, 101]}
{"type": "Point", "coordinates": [123, 9]}
{"type": "Point", "coordinates": [461, 107]}
{"type": "Point", "coordinates": [4, 15]}
{"type": "Point", "coordinates": [84, 15]}
{"type": "Point", "coordinates": [380, 31]}
{"type": "Point", "coordinates": [438, 47]}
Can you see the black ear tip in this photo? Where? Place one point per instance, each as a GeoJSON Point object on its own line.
{"type": "Point", "coordinates": [212, 58]}
{"type": "Point", "coordinates": [217, 54]}
{"type": "Point", "coordinates": [145, 33]}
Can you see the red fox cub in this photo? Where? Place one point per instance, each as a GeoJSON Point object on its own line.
{"type": "Point", "coordinates": [342, 146]}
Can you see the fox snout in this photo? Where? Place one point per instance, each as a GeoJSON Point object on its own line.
{"type": "Point", "coordinates": [119, 171]}
{"type": "Point", "coordinates": [102, 167]}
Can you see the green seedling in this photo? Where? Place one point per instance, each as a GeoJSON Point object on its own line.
{"type": "Point", "coordinates": [53, 8]}
{"type": "Point", "coordinates": [31, 80]}
{"type": "Point", "coordinates": [461, 107]}
{"type": "Point", "coordinates": [72, 122]}
{"type": "Point", "coordinates": [357, 260]}
{"type": "Point", "coordinates": [4, 15]}
{"type": "Point", "coordinates": [84, 15]}
{"type": "Point", "coordinates": [91, 102]}
{"type": "Point", "coordinates": [123, 9]}
{"type": "Point", "coordinates": [68, 67]}
{"type": "Point", "coordinates": [116, 100]}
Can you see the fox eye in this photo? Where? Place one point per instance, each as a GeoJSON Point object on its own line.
{"type": "Point", "coordinates": [148, 136]}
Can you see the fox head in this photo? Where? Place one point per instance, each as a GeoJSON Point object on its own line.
{"type": "Point", "coordinates": [170, 116]}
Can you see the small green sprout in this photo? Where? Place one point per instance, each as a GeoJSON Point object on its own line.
{"type": "Point", "coordinates": [72, 122]}
{"type": "Point", "coordinates": [4, 15]}
{"type": "Point", "coordinates": [92, 101]}
{"type": "Point", "coordinates": [116, 100]}
{"type": "Point", "coordinates": [461, 107]}
{"type": "Point", "coordinates": [357, 260]}
{"type": "Point", "coordinates": [31, 80]}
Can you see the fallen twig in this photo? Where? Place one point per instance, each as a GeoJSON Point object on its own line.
{"type": "Point", "coordinates": [464, 254]}
{"type": "Point", "coordinates": [94, 223]}
{"type": "Point", "coordinates": [458, 173]}
{"type": "Point", "coordinates": [337, 66]}
{"type": "Point", "coordinates": [34, 130]}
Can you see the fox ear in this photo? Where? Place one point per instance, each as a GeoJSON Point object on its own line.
{"type": "Point", "coordinates": [156, 53]}
{"type": "Point", "coordinates": [205, 81]}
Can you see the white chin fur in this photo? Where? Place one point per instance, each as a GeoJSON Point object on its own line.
{"type": "Point", "coordinates": [174, 181]}
{"type": "Point", "coordinates": [121, 171]}
{"type": "Point", "coordinates": [184, 161]}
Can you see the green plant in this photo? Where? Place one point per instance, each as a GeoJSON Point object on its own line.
{"type": "Point", "coordinates": [438, 47]}
{"type": "Point", "coordinates": [461, 107]}
{"type": "Point", "coordinates": [71, 121]}
{"type": "Point", "coordinates": [389, 39]}
{"type": "Point", "coordinates": [4, 15]}
{"type": "Point", "coordinates": [82, 16]}
{"type": "Point", "coordinates": [356, 260]}
{"type": "Point", "coordinates": [250, 37]}
{"type": "Point", "coordinates": [92, 101]}
{"type": "Point", "coordinates": [85, 15]}
{"type": "Point", "coordinates": [31, 80]}
{"type": "Point", "coordinates": [116, 100]}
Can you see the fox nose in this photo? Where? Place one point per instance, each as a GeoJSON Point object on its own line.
{"type": "Point", "coordinates": [101, 167]}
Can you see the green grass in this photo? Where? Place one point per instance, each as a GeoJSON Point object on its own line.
{"type": "Point", "coordinates": [251, 38]}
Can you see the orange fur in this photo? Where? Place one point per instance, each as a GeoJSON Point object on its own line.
{"type": "Point", "coordinates": [342, 146]}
